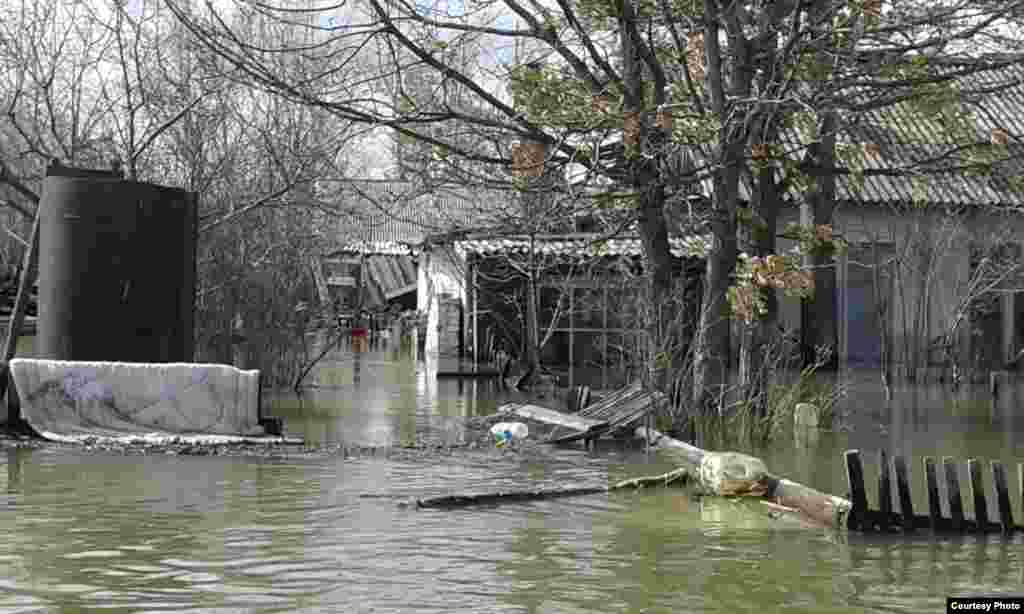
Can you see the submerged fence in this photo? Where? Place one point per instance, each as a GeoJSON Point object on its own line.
{"type": "Point", "coordinates": [884, 519]}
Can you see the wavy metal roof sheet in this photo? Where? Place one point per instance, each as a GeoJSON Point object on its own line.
{"type": "Point", "coordinates": [563, 245]}
{"type": "Point", "coordinates": [913, 160]}
{"type": "Point", "coordinates": [395, 217]}
{"type": "Point", "coordinates": [916, 159]}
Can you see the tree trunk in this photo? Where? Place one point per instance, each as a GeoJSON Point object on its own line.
{"type": "Point", "coordinates": [661, 307]}
{"type": "Point", "coordinates": [764, 330]}
{"type": "Point", "coordinates": [532, 332]}
{"type": "Point", "coordinates": [711, 355]}
{"type": "Point", "coordinates": [644, 178]}
{"type": "Point", "coordinates": [725, 82]}
{"type": "Point", "coordinates": [819, 311]}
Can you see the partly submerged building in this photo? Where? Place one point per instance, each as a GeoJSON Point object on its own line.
{"type": "Point", "coordinates": [378, 239]}
{"type": "Point", "coordinates": [589, 292]}
{"type": "Point", "coordinates": [934, 269]}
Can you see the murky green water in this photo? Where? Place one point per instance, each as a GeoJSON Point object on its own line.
{"type": "Point", "coordinates": [88, 533]}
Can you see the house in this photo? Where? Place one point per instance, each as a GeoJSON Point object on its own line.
{"type": "Point", "coordinates": [934, 269]}
{"type": "Point", "coordinates": [587, 285]}
{"type": "Point", "coordinates": [374, 260]}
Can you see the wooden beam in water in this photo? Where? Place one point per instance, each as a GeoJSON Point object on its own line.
{"type": "Point", "coordinates": [483, 373]}
{"type": "Point", "coordinates": [858, 496]}
{"type": "Point", "coordinates": [1002, 497]}
{"type": "Point", "coordinates": [455, 501]}
{"type": "Point", "coordinates": [934, 505]}
{"type": "Point", "coordinates": [588, 435]}
{"type": "Point", "coordinates": [884, 491]}
{"type": "Point", "coordinates": [823, 509]}
{"type": "Point", "coordinates": [903, 488]}
{"type": "Point", "coordinates": [660, 441]}
{"type": "Point", "coordinates": [550, 416]}
{"type": "Point", "coordinates": [956, 504]}
{"type": "Point", "coordinates": [605, 406]}
{"type": "Point", "coordinates": [676, 476]}
{"type": "Point", "coordinates": [978, 493]}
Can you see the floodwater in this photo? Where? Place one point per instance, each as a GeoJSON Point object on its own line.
{"type": "Point", "coordinates": [108, 533]}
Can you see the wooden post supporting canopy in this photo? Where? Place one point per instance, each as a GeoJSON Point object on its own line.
{"type": "Point", "coordinates": [28, 275]}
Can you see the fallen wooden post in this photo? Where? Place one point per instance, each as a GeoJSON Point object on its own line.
{"type": "Point", "coordinates": [457, 501]}
{"type": "Point", "coordinates": [454, 501]}
{"type": "Point", "coordinates": [660, 441]}
{"type": "Point", "coordinates": [716, 473]}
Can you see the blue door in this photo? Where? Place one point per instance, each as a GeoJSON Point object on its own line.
{"type": "Point", "coordinates": [863, 337]}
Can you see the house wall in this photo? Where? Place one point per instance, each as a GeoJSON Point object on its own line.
{"type": "Point", "coordinates": [441, 296]}
{"type": "Point", "coordinates": [925, 259]}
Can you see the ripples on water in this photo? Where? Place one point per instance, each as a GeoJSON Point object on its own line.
{"type": "Point", "coordinates": [213, 534]}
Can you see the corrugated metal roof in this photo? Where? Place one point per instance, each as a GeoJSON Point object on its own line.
{"type": "Point", "coordinates": [584, 246]}
{"type": "Point", "coordinates": [392, 217]}
{"type": "Point", "coordinates": [917, 159]}
{"type": "Point", "coordinates": [914, 160]}
{"type": "Point", "coordinates": [388, 277]}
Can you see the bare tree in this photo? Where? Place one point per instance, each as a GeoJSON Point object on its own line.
{"type": "Point", "coordinates": [647, 98]}
{"type": "Point", "coordinates": [94, 85]}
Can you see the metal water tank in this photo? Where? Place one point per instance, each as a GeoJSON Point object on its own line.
{"type": "Point", "coordinates": [117, 269]}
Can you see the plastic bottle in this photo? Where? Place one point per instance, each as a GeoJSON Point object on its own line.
{"type": "Point", "coordinates": [506, 433]}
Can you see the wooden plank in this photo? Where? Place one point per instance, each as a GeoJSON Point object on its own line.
{"type": "Point", "coordinates": [408, 268]}
{"type": "Point", "coordinates": [899, 465]}
{"type": "Point", "coordinates": [978, 493]}
{"type": "Point", "coordinates": [616, 397]}
{"type": "Point", "coordinates": [602, 410]}
{"type": "Point", "coordinates": [629, 410]}
{"type": "Point", "coordinates": [884, 491]}
{"type": "Point", "coordinates": [858, 496]}
{"type": "Point", "coordinates": [400, 291]}
{"type": "Point", "coordinates": [29, 264]}
{"type": "Point", "coordinates": [675, 476]}
{"type": "Point", "coordinates": [456, 501]}
{"type": "Point", "coordinates": [377, 267]}
{"type": "Point", "coordinates": [550, 416]}
{"type": "Point", "coordinates": [347, 281]}
{"type": "Point", "coordinates": [492, 373]}
{"type": "Point", "coordinates": [582, 398]}
{"type": "Point", "coordinates": [321, 282]}
{"type": "Point", "coordinates": [589, 434]}
{"type": "Point", "coordinates": [387, 271]}
{"type": "Point", "coordinates": [657, 440]}
{"type": "Point", "coordinates": [1002, 497]}
{"type": "Point", "coordinates": [934, 505]}
{"type": "Point", "coordinates": [956, 504]}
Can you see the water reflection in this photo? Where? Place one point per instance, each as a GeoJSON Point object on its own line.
{"type": "Point", "coordinates": [16, 458]}
{"type": "Point", "coordinates": [166, 533]}
{"type": "Point", "coordinates": [384, 397]}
